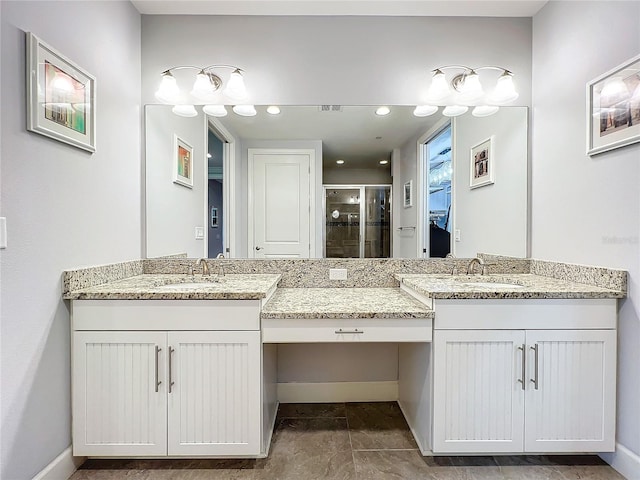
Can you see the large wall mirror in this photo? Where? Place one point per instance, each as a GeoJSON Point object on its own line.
{"type": "Point", "coordinates": [335, 181]}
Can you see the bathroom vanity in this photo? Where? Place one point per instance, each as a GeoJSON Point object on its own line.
{"type": "Point", "coordinates": [168, 365]}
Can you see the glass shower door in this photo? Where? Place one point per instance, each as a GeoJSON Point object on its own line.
{"type": "Point", "coordinates": [377, 231]}
{"type": "Point", "coordinates": [342, 214]}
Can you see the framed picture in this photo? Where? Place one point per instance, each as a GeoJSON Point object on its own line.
{"type": "Point", "coordinates": [482, 164]}
{"type": "Point", "coordinates": [183, 162]}
{"type": "Point", "coordinates": [214, 217]}
{"type": "Point", "coordinates": [61, 97]}
{"type": "Point", "coordinates": [408, 194]}
{"type": "Point", "coordinates": [613, 108]}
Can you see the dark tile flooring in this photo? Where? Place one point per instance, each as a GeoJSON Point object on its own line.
{"type": "Point", "coordinates": [352, 441]}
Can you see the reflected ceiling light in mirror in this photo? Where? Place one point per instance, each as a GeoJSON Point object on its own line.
{"type": "Point", "coordinates": [484, 110]}
{"type": "Point", "coordinates": [215, 110]}
{"type": "Point", "coordinates": [382, 111]}
{"type": "Point", "coordinates": [383, 162]}
{"type": "Point", "coordinates": [185, 110]}
{"type": "Point", "coordinates": [207, 82]}
{"type": "Point", "coordinates": [425, 110]}
{"type": "Point", "coordinates": [245, 110]}
{"type": "Point", "coordinates": [273, 110]}
{"type": "Point", "coordinates": [454, 110]}
{"type": "Point", "coordinates": [340, 162]}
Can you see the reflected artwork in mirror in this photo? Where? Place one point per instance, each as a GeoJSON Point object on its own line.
{"type": "Point", "coordinates": [312, 147]}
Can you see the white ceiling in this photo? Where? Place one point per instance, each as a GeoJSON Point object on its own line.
{"type": "Point", "coordinates": [436, 8]}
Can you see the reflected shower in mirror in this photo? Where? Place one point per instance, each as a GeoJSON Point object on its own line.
{"type": "Point", "coordinates": [337, 146]}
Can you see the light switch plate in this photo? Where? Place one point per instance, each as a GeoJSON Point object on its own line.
{"type": "Point", "coordinates": [3, 232]}
{"type": "Point", "coordinates": [199, 233]}
{"type": "Point", "coordinates": [337, 274]}
{"type": "Point", "coordinates": [457, 234]}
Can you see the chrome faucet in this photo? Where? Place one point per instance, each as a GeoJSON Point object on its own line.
{"type": "Point", "coordinates": [473, 263]}
{"type": "Point", "coordinates": [205, 267]}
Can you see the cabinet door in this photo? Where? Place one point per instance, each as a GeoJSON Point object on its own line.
{"type": "Point", "coordinates": [118, 407]}
{"type": "Point", "coordinates": [571, 407]}
{"type": "Point", "coordinates": [214, 402]}
{"type": "Point", "coordinates": [479, 396]}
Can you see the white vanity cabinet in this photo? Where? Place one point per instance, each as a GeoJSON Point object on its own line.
{"type": "Point", "coordinates": [534, 376]}
{"type": "Point", "coordinates": [164, 378]}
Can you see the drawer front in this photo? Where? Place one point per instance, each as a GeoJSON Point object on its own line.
{"type": "Point", "coordinates": [345, 331]}
{"type": "Point", "coordinates": [165, 314]}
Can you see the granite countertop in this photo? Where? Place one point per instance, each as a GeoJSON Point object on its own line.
{"type": "Point", "coordinates": [181, 287]}
{"type": "Point", "coordinates": [348, 303]}
{"type": "Point", "coordinates": [524, 286]}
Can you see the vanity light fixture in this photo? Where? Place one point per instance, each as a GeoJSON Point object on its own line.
{"type": "Point", "coordinates": [215, 110]}
{"type": "Point", "coordinates": [465, 90]}
{"type": "Point", "coordinates": [273, 110]}
{"type": "Point", "coordinates": [185, 110]}
{"type": "Point", "coordinates": [382, 111]}
{"type": "Point", "coordinates": [206, 84]}
{"type": "Point", "coordinates": [245, 110]}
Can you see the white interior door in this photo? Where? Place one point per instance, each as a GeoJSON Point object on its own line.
{"type": "Point", "coordinates": [280, 203]}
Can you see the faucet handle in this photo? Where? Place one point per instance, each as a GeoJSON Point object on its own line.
{"type": "Point", "coordinates": [189, 268]}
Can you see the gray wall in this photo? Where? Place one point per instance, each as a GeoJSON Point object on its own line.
{"type": "Point", "coordinates": [587, 209]}
{"type": "Point", "coordinates": [173, 211]}
{"type": "Point", "coordinates": [357, 176]}
{"type": "Point", "coordinates": [65, 208]}
{"type": "Point", "coordinates": [492, 218]}
{"type": "Point", "coordinates": [335, 60]}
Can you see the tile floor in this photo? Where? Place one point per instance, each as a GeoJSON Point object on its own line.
{"type": "Point", "coordinates": [352, 441]}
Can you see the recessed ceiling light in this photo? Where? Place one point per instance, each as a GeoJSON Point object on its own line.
{"type": "Point", "coordinates": [339, 162]}
{"type": "Point", "coordinates": [273, 110]}
{"type": "Point", "coordinates": [384, 162]}
{"type": "Point", "coordinates": [383, 111]}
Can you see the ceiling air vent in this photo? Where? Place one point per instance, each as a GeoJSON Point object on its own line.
{"type": "Point", "coordinates": [330, 108]}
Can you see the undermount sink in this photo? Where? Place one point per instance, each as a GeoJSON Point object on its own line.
{"type": "Point", "coordinates": [492, 285]}
{"type": "Point", "coordinates": [187, 286]}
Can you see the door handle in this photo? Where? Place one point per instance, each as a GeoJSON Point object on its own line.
{"type": "Point", "coordinates": [158, 382]}
{"type": "Point", "coordinates": [258, 248]}
{"type": "Point", "coordinates": [535, 366]}
{"type": "Point", "coordinates": [524, 368]}
{"type": "Point", "coordinates": [171, 382]}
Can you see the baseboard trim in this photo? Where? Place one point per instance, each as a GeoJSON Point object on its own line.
{"type": "Point", "coordinates": [338, 392]}
{"type": "Point", "coordinates": [624, 461]}
{"type": "Point", "coordinates": [62, 467]}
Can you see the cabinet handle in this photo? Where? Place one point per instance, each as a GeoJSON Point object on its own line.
{"type": "Point", "coordinates": [535, 366]}
{"type": "Point", "coordinates": [171, 350]}
{"type": "Point", "coordinates": [524, 367]}
{"type": "Point", "coordinates": [158, 382]}
{"type": "Point", "coordinates": [355, 330]}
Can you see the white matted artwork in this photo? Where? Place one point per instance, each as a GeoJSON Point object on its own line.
{"type": "Point", "coordinates": [613, 108]}
{"type": "Point", "coordinates": [408, 194]}
{"type": "Point", "coordinates": [183, 162]}
{"type": "Point", "coordinates": [61, 97]}
{"type": "Point", "coordinates": [482, 164]}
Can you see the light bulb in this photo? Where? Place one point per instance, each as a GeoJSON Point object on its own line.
{"type": "Point", "coordinates": [425, 110]}
{"type": "Point", "coordinates": [471, 89]}
{"type": "Point", "coordinates": [215, 110]}
{"type": "Point", "coordinates": [382, 111]}
{"type": "Point", "coordinates": [484, 110]}
{"type": "Point", "coordinates": [245, 110]}
{"type": "Point", "coordinates": [454, 110]}
{"type": "Point", "coordinates": [439, 88]}
{"type": "Point", "coordinates": [235, 86]}
{"type": "Point", "coordinates": [168, 90]}
{"type": "Point", "coordinates": [185, 110]}
{"type": "Point", "coordinates": [202, 87]}
{"type": "Point", "coordinates": [505, 90]}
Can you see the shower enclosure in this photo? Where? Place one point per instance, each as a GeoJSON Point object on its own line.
{"type": "Point", "coordinates": [357, 221]}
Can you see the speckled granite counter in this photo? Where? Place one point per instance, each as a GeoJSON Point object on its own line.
{"type": "Point", "coordinates": [181, 287]}
{"type": "Point", "coordinates": [495, 286]}
{"type": "Point", "coordinates": [348, 303]}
